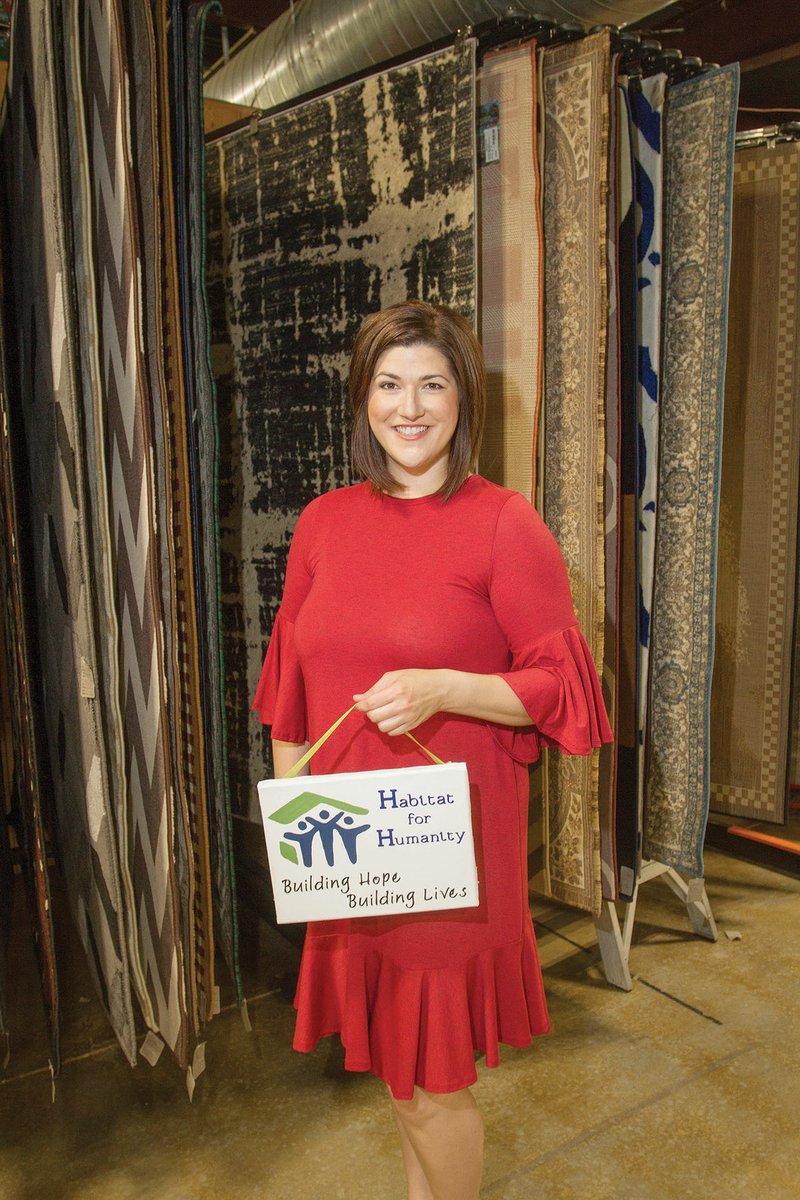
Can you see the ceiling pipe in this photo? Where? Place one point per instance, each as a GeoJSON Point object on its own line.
{"type": "Point", "coordinates": [317, 42]}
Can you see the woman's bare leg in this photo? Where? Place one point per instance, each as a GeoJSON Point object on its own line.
{"type": "Point", "coordinates": [418, 1188]}
{"type": "Point", "coordinates": [442, 1140]}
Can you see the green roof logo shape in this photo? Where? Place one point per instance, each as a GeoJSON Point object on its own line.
{"type": "Point", "coordinates": [304, 803]}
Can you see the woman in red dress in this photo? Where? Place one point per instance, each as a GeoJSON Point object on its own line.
{"type": "Point", "coordinates": [440, 603]}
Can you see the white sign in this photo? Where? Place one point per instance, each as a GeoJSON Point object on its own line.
{"type": "Point", "coordinates": [370, 843]}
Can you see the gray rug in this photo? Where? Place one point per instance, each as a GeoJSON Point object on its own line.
{"type": "Point", "coordinates": [700, 124]}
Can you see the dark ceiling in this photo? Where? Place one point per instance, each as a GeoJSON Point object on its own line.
{"type": "Point", "coordinates": [763, 35]}
{"type": "Point", "coordinates": [726, 31]}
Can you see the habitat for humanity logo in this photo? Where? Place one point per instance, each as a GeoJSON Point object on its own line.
{"type": "Point", "coordinates": [320, 828]}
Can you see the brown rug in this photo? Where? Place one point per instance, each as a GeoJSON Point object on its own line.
{"type": "Point", "coordinates": [511, 287]}
{"type": "Point", "coordinates": [576, 81]}
{"type": "Point", "coordinates": [757, 571]}
{"type": "Point", "coordinates": [794, 766]}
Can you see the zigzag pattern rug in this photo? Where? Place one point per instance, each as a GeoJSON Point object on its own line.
{"type": "Point", "coordinates": [24, 706]}
{"type": "Point", "coordinates": [207, 434]}
{"type": "Point", "coordinates": [317, 217]}
{"type": "Point", "coordinates": [575, 81]}
{"type": "Point", "coordinates": [128, 450]}
{"type": "Point", "coordinates": [148, 236]}
{"type": "Point", "coordinates": [104, 352]}
{"type": "Point", "coordinates": [69, 656]}
{"type": "Point", "coordinates": [93, 416]}
{"type": "Point", "coordinates": [756, 597]}
{"type": "Point", "coordinates": [698, 186]}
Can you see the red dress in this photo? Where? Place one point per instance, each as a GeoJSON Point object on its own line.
{"type": "Point", "coordinates": [376, 583]}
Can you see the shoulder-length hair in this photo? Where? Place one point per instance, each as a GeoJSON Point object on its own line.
{"type": "Point", "coordinates": [411, 323]}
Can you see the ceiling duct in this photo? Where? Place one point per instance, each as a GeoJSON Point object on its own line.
{"type": "Point", "coordinates": [317, 42]}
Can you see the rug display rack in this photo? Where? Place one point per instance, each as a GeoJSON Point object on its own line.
{"type": "Point", "coordinates": [173, 356]}
{"type": "Point", "coordinates": [564, 122]}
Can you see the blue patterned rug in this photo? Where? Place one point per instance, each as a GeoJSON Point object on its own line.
{"type": "Point", "coordinates": [627, 813]}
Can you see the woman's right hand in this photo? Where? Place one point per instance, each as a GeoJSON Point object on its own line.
{"type": "Point", "coordinates": [402, 700]}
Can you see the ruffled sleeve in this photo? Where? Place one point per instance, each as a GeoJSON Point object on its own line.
{"type": "Point", "coordinates": [280, 698]}
{"type": "Point", "coordinates": [552, 670]}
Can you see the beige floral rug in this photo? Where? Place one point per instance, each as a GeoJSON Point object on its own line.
{"type": "Point", "coordinates": [698, 184]}
{"type": "Point", "coordinates": [575, 80]}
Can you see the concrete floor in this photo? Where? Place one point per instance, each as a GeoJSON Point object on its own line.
{"type": "Point", "coordinates": [687, 1087]}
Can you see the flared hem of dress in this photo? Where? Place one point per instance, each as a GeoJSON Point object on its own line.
{"type": "Point", "coordinates": [419, 1027]}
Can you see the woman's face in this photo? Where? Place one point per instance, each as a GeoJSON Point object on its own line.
{"type": "Point", "coordinates": [412, 407]}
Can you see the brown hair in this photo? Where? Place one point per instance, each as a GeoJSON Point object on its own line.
{"type": "Point", "coordinates": [411, 323]}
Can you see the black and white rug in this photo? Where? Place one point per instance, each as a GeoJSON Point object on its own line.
{"type": "Point", "coordinates": [316, 217]}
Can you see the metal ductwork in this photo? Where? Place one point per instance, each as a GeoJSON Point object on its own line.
{"type": "Point", "coordinates": [320, 41]}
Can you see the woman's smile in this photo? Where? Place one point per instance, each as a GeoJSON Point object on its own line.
{"type": "Point", "coordinates": [409, 432]}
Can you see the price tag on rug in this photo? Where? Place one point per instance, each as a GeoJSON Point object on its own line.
{"type": "Point", "coordinates": [489, 131]}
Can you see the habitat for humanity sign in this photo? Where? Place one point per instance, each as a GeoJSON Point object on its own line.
{"type": "Point", "coordinates": [369, 843]}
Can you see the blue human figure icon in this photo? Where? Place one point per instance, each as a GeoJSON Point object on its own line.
{"type": "Point", "coordinates": [304, 840]}
{"type": "Point", "coordinates": [350, 837]}
{"type": "Point", "coordinates": [326, 826]}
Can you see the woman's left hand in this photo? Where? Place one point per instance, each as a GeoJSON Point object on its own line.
{"type": "Point", "coordinates": [401, 700]}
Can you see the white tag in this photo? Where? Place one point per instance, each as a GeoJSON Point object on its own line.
{"type": "Point", "coordinates": [491, 143]}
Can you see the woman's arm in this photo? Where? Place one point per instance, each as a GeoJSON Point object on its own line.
{"type": "Point", "coordinates": [285, 755]}
{"type": "Point", "coordinates": [401, 700]}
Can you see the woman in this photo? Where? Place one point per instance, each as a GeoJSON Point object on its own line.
{"type": "Point", "coordinates": [439, 602]}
